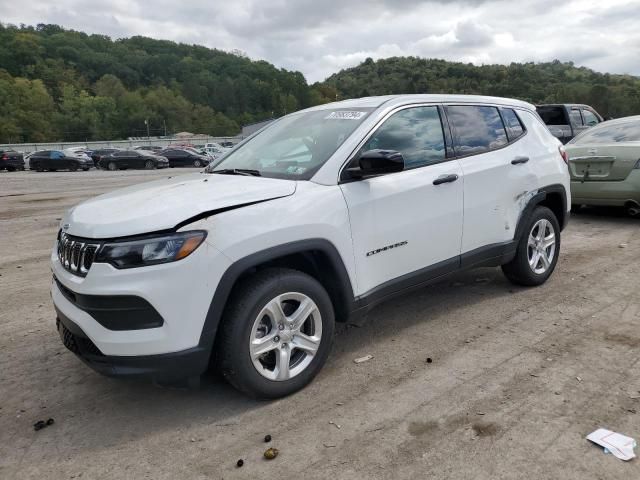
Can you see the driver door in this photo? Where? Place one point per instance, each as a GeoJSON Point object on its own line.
{"type": "Point", "coordinates": [405, 228]}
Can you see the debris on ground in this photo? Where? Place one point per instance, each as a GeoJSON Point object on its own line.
{"type": "Point", "coordinates": [239, 463]}
{"type": "Point", "coordinates": [617, 444]}
{"type": "Point", "coordinates": [429, 360]}
{"type": "Point", "coordinates": [366, 358]}
{"type": "Point", "coordinates": [328, 445]}
{"type": "Point", "coordinates": [271, 453]}
{"type": "Point", "coordinates": [267, 438]}
{"type": "Point", "coordinates": [622, 245]}
{"type": "Point", "coordinates": [40, 424]}
{"type": "Point", "coordinates": [339, 404]}
{"type": "Point", "coordinates": [331, 422]}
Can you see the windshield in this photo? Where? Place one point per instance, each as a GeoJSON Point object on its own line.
{"type": "Point", "coordinates": [295, 146]}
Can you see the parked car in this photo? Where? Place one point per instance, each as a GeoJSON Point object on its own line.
{"type": "Point", "coordinates": [227, 144]}
{"type": "Point", "coordinates": [604, 163]}
{"type": "Point", "coordinates": [10, 160]}
{"type": "Point", "coordinates": [565, 121]}
{"type": "Point", "coordinates": [185, 157]}
{"type": "Point", "coordinates": [215, 149]}
{"type": "Point", "coordinates": [124, 159]}
{"type": "Point", "coordinates": [96, 155]}
{"type": "Point", "coordinates": [53, 160]}
{"type": "Point", "coordinates": [320, 216]}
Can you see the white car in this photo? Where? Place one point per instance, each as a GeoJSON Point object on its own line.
{"type": "Point", "coordinates": [216, 150]}
{"type": "Point", "coordinates": [323, 214]}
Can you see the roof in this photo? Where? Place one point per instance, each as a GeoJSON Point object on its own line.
{"type": "Point", "coordinates": [633, 118]}
{"type": "Point", "coordinates": [396, 100]}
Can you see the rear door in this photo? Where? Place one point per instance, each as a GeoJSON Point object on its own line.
{"type": "Point", "coordinates": [404, 227]}
{"type": "Point", "coordinates": [577, 120]}
{"type": "Point", "coordinates": [497, 164]}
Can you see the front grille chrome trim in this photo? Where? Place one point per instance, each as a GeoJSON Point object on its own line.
{"type": "Point", "coordinates": [76, 255]}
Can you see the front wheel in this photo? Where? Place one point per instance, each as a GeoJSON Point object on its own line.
{"type": "Point", "coordinates": [197, 163]}
{"type": "Point", "coordinates": [149, 165]}
{"type": "Point", "coordinates": [112, 166]}
{"type": "Point", "coordinates": [537, 251]}
{"type": "Point", "coordinates": [276, 334]}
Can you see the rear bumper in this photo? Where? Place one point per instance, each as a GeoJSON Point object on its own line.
{"type": "Point", "coordinates": [160, 368]}
{"type": "Point", "coordinates": [12, 163]}
{"type": "Point", "coordinates": [607, 193]}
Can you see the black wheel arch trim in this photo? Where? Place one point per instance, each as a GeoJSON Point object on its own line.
{"type": "Point", "coordinates": [535, 200]}
{"type": "Point", "coordinates": [239, 267]}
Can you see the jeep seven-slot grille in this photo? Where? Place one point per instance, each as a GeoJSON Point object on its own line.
{"type": "Point", "coordinates": [76, 255]}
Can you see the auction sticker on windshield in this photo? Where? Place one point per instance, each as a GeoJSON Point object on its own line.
{"type": "Point", "coordinates": [345, 115]}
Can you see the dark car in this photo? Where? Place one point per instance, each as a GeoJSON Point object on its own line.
{"type": "Point", "coordinates": [565, 121]}
{"type": "Point", "coordinates": [53, 160]}
{"type": "Point", "coordinates": [11, 160]}
{"type": "Point", "coordinates": [97, 155]}
{"type": "Point", "coordinates": [184, 157]}
{"type": "Point", "coordinates": [123, 159]}
{"type": "Point", "coordinates": [227, 144]}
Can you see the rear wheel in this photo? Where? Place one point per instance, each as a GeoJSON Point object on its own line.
{"type": "Point", "coordinates": [149, 165]}
{"type": "Point", "coordinates": [112, 166]}
{"type": "Point", "coordinates": [38, 167]}
{"type": "Point", "coordinates": [197, 163]}
{"type": "Point", "coordinates": [276, 334]}
{"type": "Point", "coordinates": [537, 251]}
{"type": "Point", "coordinates": [73, 167]}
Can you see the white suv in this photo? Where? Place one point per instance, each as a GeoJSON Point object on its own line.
{"type": "Point", "coordinates": [246, 265]}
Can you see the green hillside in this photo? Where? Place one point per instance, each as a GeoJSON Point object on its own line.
{"type": "Point", "coordinates": [553, 82]}
{"type": "Point", "coordinates": [63, 84]}
{"type": "Point", "coordinates": [58, 84]}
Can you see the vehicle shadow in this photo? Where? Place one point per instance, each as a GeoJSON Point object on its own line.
{"type": "Point", "coordinates": [99, 411]}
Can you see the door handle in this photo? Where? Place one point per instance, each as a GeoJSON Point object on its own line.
{"type": "Point", "coordinates": [452, 177]}
{"type": "Point", "coordinates": [519, 160]}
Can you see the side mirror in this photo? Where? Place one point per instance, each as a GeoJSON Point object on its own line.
{"type": "Point", "coordinates": [377, 162]}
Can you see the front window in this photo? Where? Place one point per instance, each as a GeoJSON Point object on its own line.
{"type": "Point", "coordinates": [295, 146]}
{"type": "Point", "coordinates": [414, 132]}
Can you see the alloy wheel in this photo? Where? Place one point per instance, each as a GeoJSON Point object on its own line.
{"type": "Point", "coordinates": [285, 336]}
{"type": "Point", "coordinates": [541, 246]}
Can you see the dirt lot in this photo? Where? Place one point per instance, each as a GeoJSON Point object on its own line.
{"type": "Point", "coordinates": [518, 377]}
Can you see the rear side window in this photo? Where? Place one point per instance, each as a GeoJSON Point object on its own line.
{"type": "Point", "coordinates": [513, 123]}
{"type": "Point", "coordinates": [477, 129]}
{"type": "Point", "coordinates": [552, 115]}
{"type": "Point", "coordinates": [415, 132]}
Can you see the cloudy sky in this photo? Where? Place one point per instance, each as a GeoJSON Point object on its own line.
{"type": "Point", "coordinates": [319, 37]}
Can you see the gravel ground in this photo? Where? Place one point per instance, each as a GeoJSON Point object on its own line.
{"type": "Point", "coordinates": [518, 376]}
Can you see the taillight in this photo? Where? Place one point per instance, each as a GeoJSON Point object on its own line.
{"type": "Point", "coordinates": [5, 157]}
{"type": "Point", "coordinates": [563, 154]}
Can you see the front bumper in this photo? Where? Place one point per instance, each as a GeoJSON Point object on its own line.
{"type": "Point", "coordinates": [163, 307]}
{"type": "Point", "coordinates": [160, 368]}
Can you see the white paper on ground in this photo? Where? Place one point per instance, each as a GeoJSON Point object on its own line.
{"type": "Point", "coordinates": [615, 443]}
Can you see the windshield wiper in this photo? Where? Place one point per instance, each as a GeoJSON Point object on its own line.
{"type": "Point", "coordinates": [238, 171]}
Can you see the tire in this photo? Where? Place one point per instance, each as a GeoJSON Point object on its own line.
{"type": "Point", "coordinates": [85, 169]}
{"type": "Point", "coordinates": [633, 210]}
{"type": "Point", "coordinates": [73, 168]}
{"type": "Point", "coordinates": [149, 165]}
{"type": "Point", "coordinates": [246, 318]}
{"type": "Point", "coordinates": [197, 163]}
{"type": "Point", "coordinates": [38, 168]}
{"type": "Point", "coordinates": [521, 270]}
{"type": "Point", "coordinates": [112, 166]}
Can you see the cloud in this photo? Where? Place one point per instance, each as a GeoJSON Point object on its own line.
{"type": "Point", "coordinates": [319, 38]}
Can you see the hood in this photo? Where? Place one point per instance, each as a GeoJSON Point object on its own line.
{"type": "Point", "coordinates": [163, 204]}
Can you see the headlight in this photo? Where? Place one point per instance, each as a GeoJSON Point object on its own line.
{"type": "Point", "coordinates": [150, 250]}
